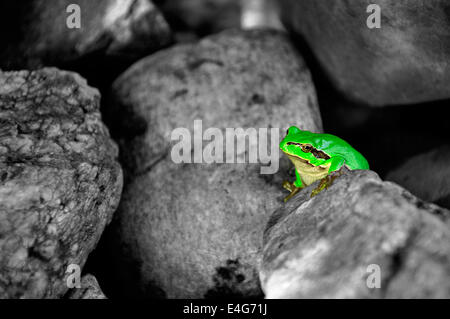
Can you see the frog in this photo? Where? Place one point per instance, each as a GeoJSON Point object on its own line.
{"type": "Point", "coordinates": [316, 156]}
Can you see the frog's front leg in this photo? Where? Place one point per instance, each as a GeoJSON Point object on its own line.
{"type": "Point", "coordinates": [298, 181]}
{"type": "Point", "coordinates": [335, 164]}
{"type": "Point", "coordinates": [294, 187]}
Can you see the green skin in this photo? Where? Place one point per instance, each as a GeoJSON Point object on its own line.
{"type": "Point", "coordinates": [339, 151]}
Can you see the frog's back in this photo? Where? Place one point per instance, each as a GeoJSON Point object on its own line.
{"type": "Point", "coordinates": [353, 158]}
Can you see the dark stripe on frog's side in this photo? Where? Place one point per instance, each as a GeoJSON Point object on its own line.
{"type": "Point", "coordinates": [314, 151]}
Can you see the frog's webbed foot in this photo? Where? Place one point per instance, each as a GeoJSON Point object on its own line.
{"type": "Point", "coordinates": [292, 188]}
{"type": "Point", "coordinates": [288, 186]}
{"type": "Point", "coordinates": [326, 182]}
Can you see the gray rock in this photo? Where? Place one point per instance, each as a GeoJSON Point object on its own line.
{"type": "Point", "coordinates": [59, 179]}
{"type": "Point", "coordinates": [195, 230]}
{"type": "Point", "coordinates": [426, 175]}
{"type": "Point", "coordinates": [90, 289]}
{"type": "Point", "coordinates": [260, 14]}
{"type": "Point", "coordinates": [202, 16]}
{"type": "Point", "coordinates": [112, 29]}
{"type": "Point", "coordinates": [405, 61]}
{"type": "Point", "coordinates": [321, 247]}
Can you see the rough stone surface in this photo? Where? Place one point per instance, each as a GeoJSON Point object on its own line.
{"type": "Point", "coordinates": [427, 176]}
{"type": "Point", "coordinates": [195, 230]}
{"type": "Point", "coordinates": [201, 16]}
{"type": "Point", "coordinates": [59, 179]}
{"type": "Point", "coordinates": [321, 247]}
{"type": "Point", "coordinates": [37, 34]}
{"type": "Point", "coordinates": [260, 14]}
{"type": "Point", "coordinates": [89, 289]}
{"type": "Point", "coordinates": [405, 61]}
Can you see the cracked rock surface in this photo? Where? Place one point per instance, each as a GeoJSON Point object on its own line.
{"type": "Point", "coordinates": [119, 30]}
{"type": "Point", "coordinates": [59, 179]}
{"type": "Point", "coordinates": [195, 230]}
{"type": "Point", "coordinates": [89, 289]}
{"type": "Point", "coordinates": [321, 247]}
{"type": "Point", "coordinates": [403, 62]}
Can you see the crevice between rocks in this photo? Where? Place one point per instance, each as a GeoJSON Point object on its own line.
{"type": "Point", "coordinates": [398, 259]}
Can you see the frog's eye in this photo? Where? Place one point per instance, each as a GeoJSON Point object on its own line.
{"type": "Point", "coordinates": [287, 132]}
{"type": "Point", "coordinates": [306, 148]}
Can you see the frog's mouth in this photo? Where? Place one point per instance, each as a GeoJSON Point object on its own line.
{"type": "Point", "coordinates": [296, 159]}
{"type": "Point", "coordinates": [307, 171]}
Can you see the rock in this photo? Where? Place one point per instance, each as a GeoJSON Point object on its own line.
{"type": "Point", "coordinates": [195, 230]}
{"type": "Point", "coordinates": [405, 61]}
{"type": "Point", "coordinates": [260, 14]}
{"type": "Point", "coordinates": [115, 31]}
{"type": "Point", "coordinates": [330, 246]}
{"type": "Point", "coordinates": [201, 16]}
{"type": "Point", "coordinates": [59, 179]}
{"type": "Point", "coordinates": [427, 176]}
{"type": "Point", "coordinates": [90, 289]}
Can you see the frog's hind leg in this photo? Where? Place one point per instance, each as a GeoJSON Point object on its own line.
{"type": "Point", "coordinates": [336, 163]}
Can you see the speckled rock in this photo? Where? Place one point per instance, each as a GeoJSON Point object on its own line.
{"type": "Point", "coordinates": [426, 175]}
{"type": "Point", "coordinates": [89, 289]}
{"type": "Point", "coordinates": [404, 61]}
{"type": "Point", "coordinates": [59, 179]}
{"type": "Point", "coordinates": [327, 246]}
{"type": "Point", "coordinates": [36, 32]}
{"type": "Point", "coordinates": [195, 230]}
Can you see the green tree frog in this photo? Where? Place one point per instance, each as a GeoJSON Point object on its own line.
{"type": "Point", "coordinates": [317, 155]}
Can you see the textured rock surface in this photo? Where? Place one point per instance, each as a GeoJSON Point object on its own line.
{"type": "Point", "coordinates": [201, 16]}
{"type": "Point", "coordinates": [405, 61]}
{"type": "Point", "coordinates": [321, 247]}
{"type": "Point", "coordinates": [427, 176]}
{"type": "Point", "coordinates": [260, 14]}
{"type": "Point", "coordinates": [90, 289]}
{"type": "Point", "coordinates": [59, 179]}
{"type": "Point", "coordinates": [194, 230]}
{"type": "Point", "coordinates": [36, 32]}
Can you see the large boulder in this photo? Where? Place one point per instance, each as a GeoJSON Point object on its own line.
{"type": "Point", "coordinates": [426, 175]}
{"type": "Point", "coordinates": [59, 179]}
{"type": "Point", "coordinates": [201, 16]}
{"type": "Point", "coordinates": [360, 238]}
{"type": "Point", "coordinates": [118, 32]}
{"type": "Point", "coordinates": [404, 61]}
{"type": "Point", "coordinates": [195, 229]}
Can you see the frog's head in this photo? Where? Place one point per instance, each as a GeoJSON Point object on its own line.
{"type": "Point", "coordinates": [300, 144]}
